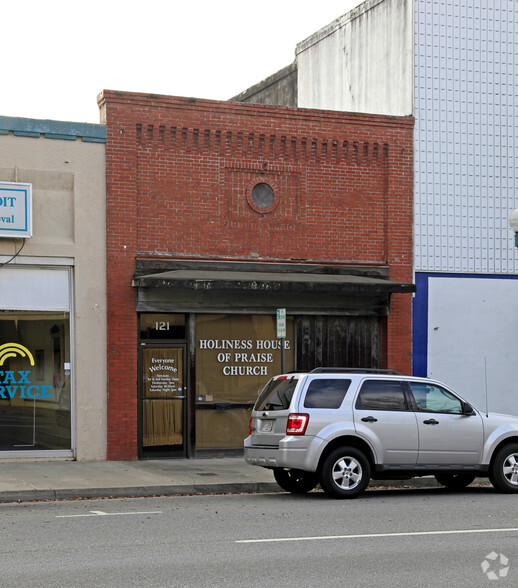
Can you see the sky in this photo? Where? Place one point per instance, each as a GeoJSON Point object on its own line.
{"type": "Point", "coordinates": [58, 55]}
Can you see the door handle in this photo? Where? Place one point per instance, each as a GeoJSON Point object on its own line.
{"type": "Point", "coordinates": [369, 419]}
{"type": "Point", "coordinates": [431, 422]}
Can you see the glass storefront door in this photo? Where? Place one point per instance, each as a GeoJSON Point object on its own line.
{"type": "Point", "coordinates": [35, 394]}
{"type": "Point", "coordinates": [163, 401]}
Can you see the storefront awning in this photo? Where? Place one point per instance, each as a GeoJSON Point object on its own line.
{"type": "Point", "coordinates": [225, 287]}
{"type": "Point", "coordinates": [228, 280]}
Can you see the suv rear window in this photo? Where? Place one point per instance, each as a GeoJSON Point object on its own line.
{"type": "Point", "coordinates": [326, 393]}
{"type": "Point", "coordinates": [276, 395]}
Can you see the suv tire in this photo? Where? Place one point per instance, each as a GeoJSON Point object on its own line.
{"type": "Point", "coordinates": [345, 473]}
{"type": "Point", "coordinates": [295, 481]}
{"type": "Point", "coordinates": [455, 481]}
{"type": "Point", "coordinates": [503, 471]}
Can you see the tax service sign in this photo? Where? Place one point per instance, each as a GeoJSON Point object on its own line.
{"type": "Point", "coordinates": [15, 210]}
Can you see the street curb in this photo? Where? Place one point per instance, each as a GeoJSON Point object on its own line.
{"type": "Point", "coordinates": [137, 492]}
{"type": "Point", "coordinates": [195, 489]}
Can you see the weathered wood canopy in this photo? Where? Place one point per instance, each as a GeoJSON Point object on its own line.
{"type": "Point", "coordinates": [175, 286]}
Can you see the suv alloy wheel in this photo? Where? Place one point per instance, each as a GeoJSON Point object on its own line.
{"type": "Point", "coordinates": [345, 473]}
{"type": "Point", "coordinates": [503, 471]}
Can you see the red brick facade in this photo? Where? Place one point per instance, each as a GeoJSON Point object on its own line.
{"type": "Point", "coordinates": [179, 178]}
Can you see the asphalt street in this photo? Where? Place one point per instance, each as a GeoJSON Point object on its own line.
{"type": "Point", "coordinates": [410, 537]}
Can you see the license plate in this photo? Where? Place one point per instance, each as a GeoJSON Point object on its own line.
{"type": "Point", "coordinates": [266, 426]}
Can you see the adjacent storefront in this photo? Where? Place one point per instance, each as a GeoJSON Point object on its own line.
{"type": "Point", "coordinates": [52, 290]}
{"type": "Point", "coordinates": [35, 361]}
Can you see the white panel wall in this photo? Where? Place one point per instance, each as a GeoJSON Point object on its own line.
{"type": "Point", "coordinates": [466, 146]}
{"type": "Point", "coordinates": [472, 335]}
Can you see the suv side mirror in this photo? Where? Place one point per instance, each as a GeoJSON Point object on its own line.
{"type": "Point", "coordinates": [467, 409]}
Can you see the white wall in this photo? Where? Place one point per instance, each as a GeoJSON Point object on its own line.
{"type": "Point", "coordinates": [361, 62]}
{"type": "Point", "coordinates": [473, 325]}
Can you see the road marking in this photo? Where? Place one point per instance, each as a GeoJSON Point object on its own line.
{"type": "Point", "coordinates": [371, 535]}
{"type": "Point", "coordinates": [100, 513]}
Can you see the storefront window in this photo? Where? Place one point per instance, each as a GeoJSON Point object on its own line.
{"type": "Point", "coordinates": [35, 393]}
{"type": "Point", "coordinates": [235, 356]}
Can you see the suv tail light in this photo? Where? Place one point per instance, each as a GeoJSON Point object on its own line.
{"type": "Point", "coordinates": [297, 424]}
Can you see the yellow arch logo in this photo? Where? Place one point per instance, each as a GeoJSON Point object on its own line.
{"type": "Point", "coordinates": [12, 350]}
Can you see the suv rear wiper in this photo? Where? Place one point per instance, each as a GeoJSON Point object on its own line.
{"type": "Point", "coordinates": [273, 405]}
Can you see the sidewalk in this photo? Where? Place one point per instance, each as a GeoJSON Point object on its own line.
{"type": "Point", "coordinates": [58, 480]}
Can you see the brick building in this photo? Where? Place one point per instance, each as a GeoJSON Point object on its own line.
{"type": "Point", "coordinates": [218, 214]}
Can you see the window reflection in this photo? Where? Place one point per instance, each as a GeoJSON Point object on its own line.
{"type": "Point", "coordinates": [431, 398]}
{"type": "Point", "coordinates": [381, 395]}
{"type": "Point", "coordinates": [236, 355]}
{"type": "Point", "coordinates": [326, 393]}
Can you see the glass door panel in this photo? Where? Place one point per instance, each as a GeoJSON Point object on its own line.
{"type": "Point", "coordinates": [163, 401]}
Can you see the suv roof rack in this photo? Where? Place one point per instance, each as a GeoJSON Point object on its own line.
{"type": "Point", "coordinates": [327, 370]}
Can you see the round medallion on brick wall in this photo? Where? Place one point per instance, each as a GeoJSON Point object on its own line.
{"type": "Point", "coordinates": [261, 196]}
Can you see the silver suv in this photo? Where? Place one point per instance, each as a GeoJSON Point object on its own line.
{"type": "Point", "coordinates": [340, 428]}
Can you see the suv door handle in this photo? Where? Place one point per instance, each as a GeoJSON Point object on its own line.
{"type": "Point", "coordinates": [369, 419]}
{"type": "Point", "coordinates": [431, 422]}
